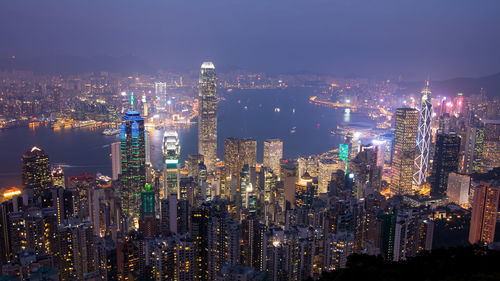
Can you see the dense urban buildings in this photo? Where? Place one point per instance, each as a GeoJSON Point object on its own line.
{"type": "Point", "coordinates": [164, 213]}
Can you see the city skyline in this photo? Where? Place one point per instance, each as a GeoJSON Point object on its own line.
{"type": "Point", "coordinates": [300, 147]}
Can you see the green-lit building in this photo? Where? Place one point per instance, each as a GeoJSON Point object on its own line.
{"type": "Point", "coordinates": [133, 161]}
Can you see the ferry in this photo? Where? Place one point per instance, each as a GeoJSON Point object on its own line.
{"type": "Point", "coordinates": [111, 132]}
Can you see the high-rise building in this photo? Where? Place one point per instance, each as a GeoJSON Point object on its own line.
{"type": "Point", "coordinates": [148, 202]}
{"type": "Point", "coordinates": [133, 158]}
{"type": "Point", "coordinates": [252, 239]}
{"type": "Point", "coordinates": [147, 147]}
{"type": "Point", "coordinates": [423, 137]}
{"type": "Point", "coordinates": [36, 171]}
{"type": "Point", "coordinates": [238, 152]}
{"type": "Point", "coordinates": [491, 150]}
{"type": "Point", "coordinates": [444, 124]}
{"type": "Point", "coordinates": [116, 160]}
{"type": "Point", "coordinates": [458, 189]}
{"type": "Point", "coordinates": [445, 161]}
{"type": "Point", "coordinates": [405, 137]}
{"type": "Point", "coordinates": [207, 124]}
{"type": "Point", "coordinates": [171, 153]}
{"type": "Point", "coordinates": [75, 250]}
{"type": "Point", "coordinates": [473, 154]}
{"type": "Point", "coordinates": [173, 258]}
{"type": "Point", "coordinates": [326, 168]}
{"type": "Point", "coordinates": [484, 212]}
{"type": "Point", "coordinates": [57, 175]}
{"type": "Point", "coordinates": [161, 94]}
{"type": "Point", "coordinates": [337, 248]}
{"type": "Point", "coordinates": [305, 190]}
{"type": "Point", "coordinates": [273, 152]}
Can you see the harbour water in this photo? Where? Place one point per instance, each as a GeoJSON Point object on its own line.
{"type": "Point", "coordinates": [261, 114]}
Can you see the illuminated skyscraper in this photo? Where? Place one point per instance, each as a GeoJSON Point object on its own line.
{"type": "Point", "coordinates": [458, 189]}
{"type": "Point", "coordinates": [36, 171]}
{"type": "Point", "coordinates": [445, 161]}
{"type": "Point", "coordinates": [484, 213]}
{"type": "Point", "coordinates": [326, 168]}
{"type": "Point", "coordinates": [116, 160]}
{"type": "Point", "coordinates": [161, 94]}
{"type": "Point", "coordinates": [423, 137]}
{"type": "Point", "coordinates": [405, 137]}
{"type": "Point", "coordinates": [273, 152]}
{"type": "Point", "coordinates": [305, 189]}
{"type": "Point", "coordinates": [238, 152]}
{"type": "Point", "coordinates": [207, 118]}
{"type": "Point", "coordinates": [171, 152]}
{"type": "Point", "coordinates": [474, 144]}
{"type": "Point", "coordinates": [133, 158]}
{"type": "Point", "coordinates": [491, 150]}
{"type": "Point", "coordinates": [57, 175]}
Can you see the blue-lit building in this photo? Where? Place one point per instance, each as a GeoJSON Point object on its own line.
{"type": "Point", "coordinates": [133, 159]}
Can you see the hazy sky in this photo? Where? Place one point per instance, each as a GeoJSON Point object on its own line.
{"type": "Point", "coordinates": [446, 38]}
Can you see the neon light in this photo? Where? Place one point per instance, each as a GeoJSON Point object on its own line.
{"type": "Point", "coordinates": [171, 161]}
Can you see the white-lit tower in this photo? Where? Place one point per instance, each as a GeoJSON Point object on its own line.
{"type": "Point", "coordinates": [207, 118]}
{"type": "Point", "coordinates": [171, 151]}
{"type": "Point", "coordinates": [423, 137]}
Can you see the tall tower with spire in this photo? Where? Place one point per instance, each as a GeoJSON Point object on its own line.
{"type": "Point", "coordinates": [423, 137]}
{"type": "Point", "coordinates": [207, 118]}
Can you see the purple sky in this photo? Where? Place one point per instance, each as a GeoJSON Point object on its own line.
{"type": "Point", "coordinates": [446, 38]}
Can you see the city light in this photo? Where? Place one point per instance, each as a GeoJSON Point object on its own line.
{"type": "Point", "coordinates": [13, 191]}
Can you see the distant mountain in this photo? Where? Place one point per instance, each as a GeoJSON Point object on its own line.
{"type": "Point", "coordinates": [468, 86]}
{"type": "Point", "coordinates": [74, 64]}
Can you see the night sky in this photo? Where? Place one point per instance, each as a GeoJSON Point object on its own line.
{"type": "Point", "coordinates": [445, 38]}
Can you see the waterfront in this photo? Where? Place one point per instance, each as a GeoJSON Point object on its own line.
{"type": "Point", "coordinates": [261, 114]}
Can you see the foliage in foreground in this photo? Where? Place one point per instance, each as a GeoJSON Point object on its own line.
{"type": "Point", "coordinates": [462, 263]}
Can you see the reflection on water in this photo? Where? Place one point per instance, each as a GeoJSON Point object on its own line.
{"type": "Point", "coordinates": [89, 151]}
{"type": "Point", "coordinates": [347, 115]}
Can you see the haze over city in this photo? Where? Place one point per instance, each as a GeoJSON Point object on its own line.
{"type": "Point", "coordinates": [444, 39]}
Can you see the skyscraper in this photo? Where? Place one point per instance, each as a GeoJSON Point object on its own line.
{"type": "Point", "coordinates": [474, 144]}
{"type": "Point", "coordinates": [273, 152]}
{"type": "Point", "coordinates": [171, 152]}
{"type": "Point", "coordinates": [326, 167]}
{"type": "Point", "coordinates": [161, 93]}
{"type": "Point", "coordinates": [116, 160]}
{"type": "Point", "coordinates": [238, 152]}
{"type": "Point", "coordinates": [404, 150]}
{"type": "Point", "coordinates": [491, 150]}
{"type": "Point", "coordinates": [423, 137]}
{"type": "Point", "coordinates": [445, 161]}
{"type": "Point", "coordinates": [36, 171]}
{"type": "Point", "coordinates": [207, 118]}
{"type": "Point", "coordinates": [133, 158]}
{"type": "Point", "coordinates": [458, 189]}
{"type": "Point", "coordinates": [484, 213]}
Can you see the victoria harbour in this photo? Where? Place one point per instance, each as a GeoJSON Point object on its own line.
{"type": "Point", "coordinates": [258, 113]}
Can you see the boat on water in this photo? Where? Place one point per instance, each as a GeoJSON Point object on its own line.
{"type": "Point", "coordinates": [293, 130]}
{"type": "Point", "coordinates": [111, 132]}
